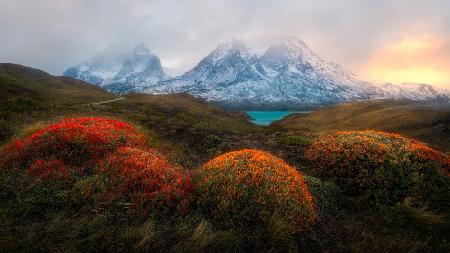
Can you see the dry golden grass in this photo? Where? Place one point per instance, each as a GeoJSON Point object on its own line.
{"type": "Point", "coordinates": [428, 123]}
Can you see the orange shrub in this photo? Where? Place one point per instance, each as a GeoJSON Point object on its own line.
{"type": "Point", "coordinates": [380, 167]}
{"type": "Point", "coordinates": [74, 142]}
{"type": "Point", "coordinates": [249, 188]}
{"type": "Point", "coordinates": [146, 178]}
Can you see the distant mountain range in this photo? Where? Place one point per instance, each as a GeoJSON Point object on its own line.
{"type": "Point", "coordinates": [288, 75]}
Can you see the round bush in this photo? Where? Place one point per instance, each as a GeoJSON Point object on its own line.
{"type": "Point", "coordinates": [250, 188]}
{"type": "Point", "coordinates": [74, 142]}
{"type": "Point", "coordinates": [146, 178]}
{"type": "Point", "coordinates": [380, 167]}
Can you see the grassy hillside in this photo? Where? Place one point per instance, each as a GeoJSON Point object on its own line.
{"type": "Point", "coordinates": [29, 95]}
{"type": "Point", "coordinates": [428, 123]}
{"type": "Point", "coordinates": [17, 81]}
{"type": "Point", "coordinates": [190, 132]}
{"type": "Point", "coordinates": [193, 128]}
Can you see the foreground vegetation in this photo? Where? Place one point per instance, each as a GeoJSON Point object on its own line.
{"type": "Point", "coordinates": [155, 173]}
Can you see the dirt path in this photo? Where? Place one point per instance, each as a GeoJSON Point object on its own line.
{"type": "Point", "coordinates": [106, 102]}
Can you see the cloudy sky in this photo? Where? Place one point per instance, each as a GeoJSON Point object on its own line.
{"type": "Point", "coordinates": [380, 41]}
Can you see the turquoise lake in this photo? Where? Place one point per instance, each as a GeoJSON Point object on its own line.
{"type": "Point", "coordinates": [264, 118]}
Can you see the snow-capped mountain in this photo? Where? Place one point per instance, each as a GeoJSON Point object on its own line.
{"type": "Point", "coordinates": [415, 91]}
{"type": "Point", "coordinates": [119, 70]}
{"type": "Point", "coordinates": [287, 75]}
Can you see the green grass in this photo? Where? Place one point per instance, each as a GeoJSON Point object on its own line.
{"type": "Point", "coordinates": [296, 140]}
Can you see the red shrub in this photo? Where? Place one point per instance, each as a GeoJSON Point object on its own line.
{"type": "Point", "coordinates": [75, 142]}
{"type": "Point", "coordinates": [107, 161]}
{"type": "Point", "coordinates": [249, 187]}
{"type": "Point", "coordinates": [147, 178]}
{"type": "Point", "coordinates": [54, 169]}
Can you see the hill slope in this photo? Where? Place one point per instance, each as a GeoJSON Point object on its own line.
{"type": "Point", "coordinates": [191, 127]}
{"type": "Point", "coordinates": [21, 81]}
{"type": "Point", "coordinates": [428, 123]}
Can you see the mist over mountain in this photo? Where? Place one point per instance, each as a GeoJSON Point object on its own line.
{"type": "Point", "coordinates": [287, 75]}
{"type": "Point", "coordinates": [120, 70]}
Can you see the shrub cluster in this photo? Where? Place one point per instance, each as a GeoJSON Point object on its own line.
{"type": "Point", "coordinates": [379, 167]}
{"type": "Point", "coordinates": [250, 188]}
{"type": "Point", "coordinates": [83, 184]}
{"type": "Point", "coordinates": [101, 161]}
{"type": "Point", "coordinates": [97, 175]}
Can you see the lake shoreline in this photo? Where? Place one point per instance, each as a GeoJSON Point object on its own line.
{"type": "Point", "coordinates": [265, 118]}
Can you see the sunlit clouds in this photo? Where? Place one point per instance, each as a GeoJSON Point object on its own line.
{"type": "Point", "coordinates": [422, 59]}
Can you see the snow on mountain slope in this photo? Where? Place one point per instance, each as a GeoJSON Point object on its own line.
{"type": "Point", "coordinates": [287, 75]}
{"type": "Point", "coordinates": [415, 91]}
{"type": "Point", "coordinates": [119, 70]}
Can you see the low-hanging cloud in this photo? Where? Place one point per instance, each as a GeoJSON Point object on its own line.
{"type": "Point", "coordinates": [53, 35]}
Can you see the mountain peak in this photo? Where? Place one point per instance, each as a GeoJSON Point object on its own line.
{"type": "Point", "coordinates": [291, 45]}
{"type": "Point", "coordinates": [232, 44]}
{"type": "Point", "coordinates": [119, 69]}
{"type": "Point", "coordinates": [292, 42]}
{"type": "Point", "coordinates": [141, 49]}
{"type": "Point", "coordinates": [231, 47]}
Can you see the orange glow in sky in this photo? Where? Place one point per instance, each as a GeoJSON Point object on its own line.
{"type": "Point", "coordinates": [423, 59]}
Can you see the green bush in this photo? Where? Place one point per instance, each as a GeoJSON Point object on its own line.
{"type": "Point", "coordinates": [326, 195]}
{"type": "Point", "coordinates": [296, 140]}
